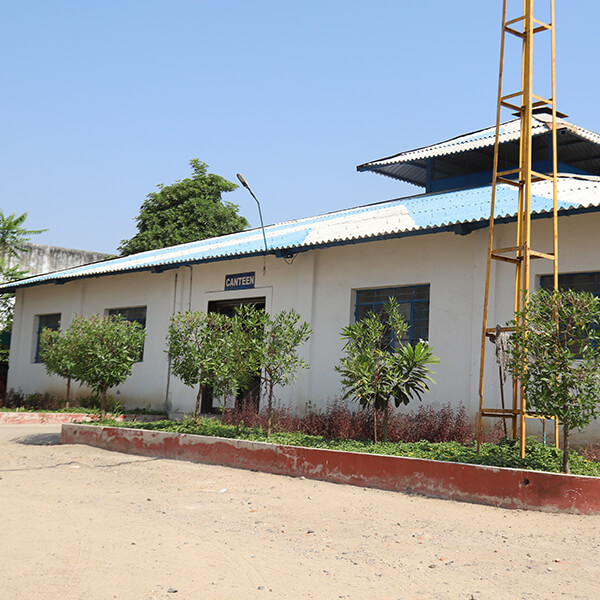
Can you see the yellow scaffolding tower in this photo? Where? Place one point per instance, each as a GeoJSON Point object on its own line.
{"type": "Point", "coordinates": [523, 102]}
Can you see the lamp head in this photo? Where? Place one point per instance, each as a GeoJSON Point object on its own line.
{"type": "Point", "coordinates": [243, 181]}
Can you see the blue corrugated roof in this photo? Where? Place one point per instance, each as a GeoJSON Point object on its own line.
{"type": "Point", "coordinates": [395, 218]}
{"type": "Point", "coordinates": [575, 143]}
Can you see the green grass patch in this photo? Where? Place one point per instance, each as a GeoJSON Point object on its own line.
{"type": "Point", "coordinates": [505, 454]}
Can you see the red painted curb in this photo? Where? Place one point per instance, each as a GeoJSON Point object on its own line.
{"type": "Point", "coordinates": [28, 418]}
{"type": "Point", "coordinates": [33, 418]}
{"type": "Point", "coordinates": [508, 488]}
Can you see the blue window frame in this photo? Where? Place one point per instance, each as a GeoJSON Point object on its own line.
{"type": "Point", "coordinates": [136, 313]}
{"type": "Point", "coordinates": [579, 282]}
{"type": "Point", "coordinates": [413, 301]}
{"type": "Point", "coordinates": [52, 322]}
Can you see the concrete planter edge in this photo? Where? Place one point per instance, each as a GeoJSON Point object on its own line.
{"type": "Point", "coordinates": [495, 486]}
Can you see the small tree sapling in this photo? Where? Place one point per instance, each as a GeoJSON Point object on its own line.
{"type": "Point", "coordinates": [57, 351]}
{"type": "Point", "coordinates": [274, 343]}
{"type": "Point", "coordinates": [555, 356]}
{"type": "Point", "coordinates": [375, 369]}
{"type": "Point", "coordinates": [105, 349]}
{"type": "Point", "coordinates": [207, 350]}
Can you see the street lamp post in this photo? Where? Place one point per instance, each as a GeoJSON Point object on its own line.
{"type": "Point", "coordinates": [262, 225]}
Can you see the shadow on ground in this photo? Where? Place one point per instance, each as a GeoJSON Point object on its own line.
{"type": "Point", "coordinates": [39, 439]}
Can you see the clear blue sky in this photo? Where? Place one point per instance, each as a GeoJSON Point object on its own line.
{"type": "Point", "coordinates": [102, 101]}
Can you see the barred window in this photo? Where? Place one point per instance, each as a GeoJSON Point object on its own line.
{"type": "Point", "coordinates": [51, 321]}
{"type": "Point", "coordinates": [579, 282]}
{"type": "Point", "coordinates": [134, 314]}
{"type": "Point", "coordinates": [413, 302]}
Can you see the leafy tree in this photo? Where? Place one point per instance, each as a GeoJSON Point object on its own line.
{"type": "Point", "coordinates": [224, 353]}
{"type": "Point", "coordinates": [274, 350]}
{"type": "Point", "coordinates": [58, 351]}
{"type": "Point", "coordinates": [7, 301]}
{"type": "Point", "coordinates": [374, 371]}
{"type": "Point", "coordinates": [554, 354]}
{"type": "Point", "coordinates": [186, 211]}
{"type": "Point", "coordinates": [204, 350]}
{"type": "Point", "coordinates": [13, 236]}
{"type": "Point", "coordinates": [102, 352]}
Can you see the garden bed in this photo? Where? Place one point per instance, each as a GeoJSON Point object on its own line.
{"type": "Point", "coordinates": [505, 487]}
{"type": "Point", "coordinates": [501, 453]}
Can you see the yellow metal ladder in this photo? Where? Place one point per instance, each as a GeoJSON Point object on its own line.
{"type": "Point", "coordinates": [523, 102]}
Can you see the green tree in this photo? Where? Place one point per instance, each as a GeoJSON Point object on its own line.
{"type": "Point", "coordinates": [186, 211]}
{"type": "Point", "coordinates": [7, 302]}
{"type": "Point", "coordinates": [554, 354]}
{"type": "Point", "coordinates": [274, 350]}
{"type": "Point", "coordinates": [374, 370]}
{"type": "Point", "coordinates": [224, 353]}
{"type": "Point", "coordinates": [58, 352]}
{"type": "Point", "coordinates": [205, 350]}
{"type": "Point", "coordinates": [104, 349]}
{"type": "Point", "coordinates": [13, 236]}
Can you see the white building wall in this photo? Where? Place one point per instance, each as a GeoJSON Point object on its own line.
{"type": "Point", "coordinates": [320, 286]}
{"type": "Point", "coordinates": [146, 387]}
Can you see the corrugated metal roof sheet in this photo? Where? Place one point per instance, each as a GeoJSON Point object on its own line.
{"type": "Point", "coordinates": [410, 165]}
{"type": "Point", "coordinates": [394, 218]}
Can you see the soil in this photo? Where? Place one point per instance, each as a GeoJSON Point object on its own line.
{"type": "Point", "coordinates": [83, 523]}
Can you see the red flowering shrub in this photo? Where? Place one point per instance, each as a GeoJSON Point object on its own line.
{"type": "Point", "coordinates": [591, 452]}
{"type": "Point", "coordinates": [339, 421]}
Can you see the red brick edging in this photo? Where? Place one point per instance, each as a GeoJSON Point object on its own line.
{"type": "Point", "coordinates": [37, 418]}
{"type": "Point", "coordinates": [508, 488]}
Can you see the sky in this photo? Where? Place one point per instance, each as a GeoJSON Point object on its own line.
{"type": "Point", "coordinates": [103, 101]}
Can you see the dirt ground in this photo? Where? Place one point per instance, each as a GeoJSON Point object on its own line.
{"type": "Point", "coordinates": [84, 523]}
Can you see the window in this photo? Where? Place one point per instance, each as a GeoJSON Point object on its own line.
{"type": "Point", "coordinates": [136, 313]}
{"type": "Point", "coordinates": [579, 282]}
{"type": "Point", "coordinates": [44, 322]}
{"type": "Point", "coordinates": [413, 302]}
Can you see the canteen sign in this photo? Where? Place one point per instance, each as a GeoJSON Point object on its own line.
{"type": "Point", "coordinates": [240, 281]}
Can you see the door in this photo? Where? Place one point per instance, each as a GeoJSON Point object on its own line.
{"type": "Point", "coordinates": [227, 307]}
